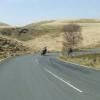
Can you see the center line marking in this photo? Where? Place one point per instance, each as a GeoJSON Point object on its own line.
{"type": "Point", "coordinates": [63, 80]}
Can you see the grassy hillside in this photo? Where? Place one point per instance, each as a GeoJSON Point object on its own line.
{"type": "Point", "coordinates": [89, 60]}
{"type": "Point", "coordinates": [42, 28]}
{"type": "Point", "coordinates": [49, 33]}
{"type": "Point", "coordinates": [3, 24]}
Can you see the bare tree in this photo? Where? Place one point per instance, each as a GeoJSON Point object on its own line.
{"type": "Point", "coordinates": [72, 37]}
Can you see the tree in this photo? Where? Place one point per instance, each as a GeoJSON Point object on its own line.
{"type": "Point", "coordinates": [72, 37]}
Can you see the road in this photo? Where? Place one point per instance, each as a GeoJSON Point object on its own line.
{"type": "Point", "coordinates": [46, 78]}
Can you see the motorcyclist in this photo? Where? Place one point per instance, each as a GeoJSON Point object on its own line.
{"type": "Point", "coordinates": [44, 51]}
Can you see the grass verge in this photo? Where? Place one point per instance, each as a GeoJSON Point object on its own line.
{"type": "Point", "coordinates": [89, 60]}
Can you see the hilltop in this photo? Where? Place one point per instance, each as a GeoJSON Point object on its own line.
{"type": "Point", "coordinates": [3, 24]}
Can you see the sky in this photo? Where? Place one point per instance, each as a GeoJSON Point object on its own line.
{"type": "Point", "coordinates": [21, 12]}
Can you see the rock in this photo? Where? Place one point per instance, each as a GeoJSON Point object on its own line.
{"type": "Point", "coordinates": [11, 47]}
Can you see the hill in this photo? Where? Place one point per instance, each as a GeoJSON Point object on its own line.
{"type": "Point", "coordinates": [49, 33]}
{"type": "Point", "coordinates": [3, 24]}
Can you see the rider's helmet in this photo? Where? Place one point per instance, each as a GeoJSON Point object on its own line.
{"type": "Point", "coordinates": [45, 48]}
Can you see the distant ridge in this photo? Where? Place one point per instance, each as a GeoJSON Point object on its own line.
{"type": "Point", "coordinates": [84, 20]}
{"type": "Point", "coordinates": [3, 24]}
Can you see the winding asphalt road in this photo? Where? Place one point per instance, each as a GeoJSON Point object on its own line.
{"type": "Point", "coordinates": [46, 78]}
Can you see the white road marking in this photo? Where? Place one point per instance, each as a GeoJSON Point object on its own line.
{"type": "Point", "coordinates": [68, 83]}
{"type": "Point", "coordinates": [88, 67]}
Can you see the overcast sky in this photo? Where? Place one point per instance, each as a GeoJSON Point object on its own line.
{"type": "Point", "coordinates": [20, 12]}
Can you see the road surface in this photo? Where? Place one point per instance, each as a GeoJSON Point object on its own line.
{"type": "Point", "coordinates": [46, 78]}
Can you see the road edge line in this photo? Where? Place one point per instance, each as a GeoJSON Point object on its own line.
{"type": "Point", "coordinates": [88, 67]}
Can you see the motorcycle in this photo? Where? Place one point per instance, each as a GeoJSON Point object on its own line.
{"type": "Point", "coordinates": [44, 51]}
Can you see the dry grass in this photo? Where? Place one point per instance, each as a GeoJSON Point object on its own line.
{"type": "Point", "coordinates": [90, 60]}
{"type": "Point", "coordinates": [53, 44]}
{"type": "Point", "coordinates": [90, 32]}
{"type": "Point", "coordinates": [49, 33]}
